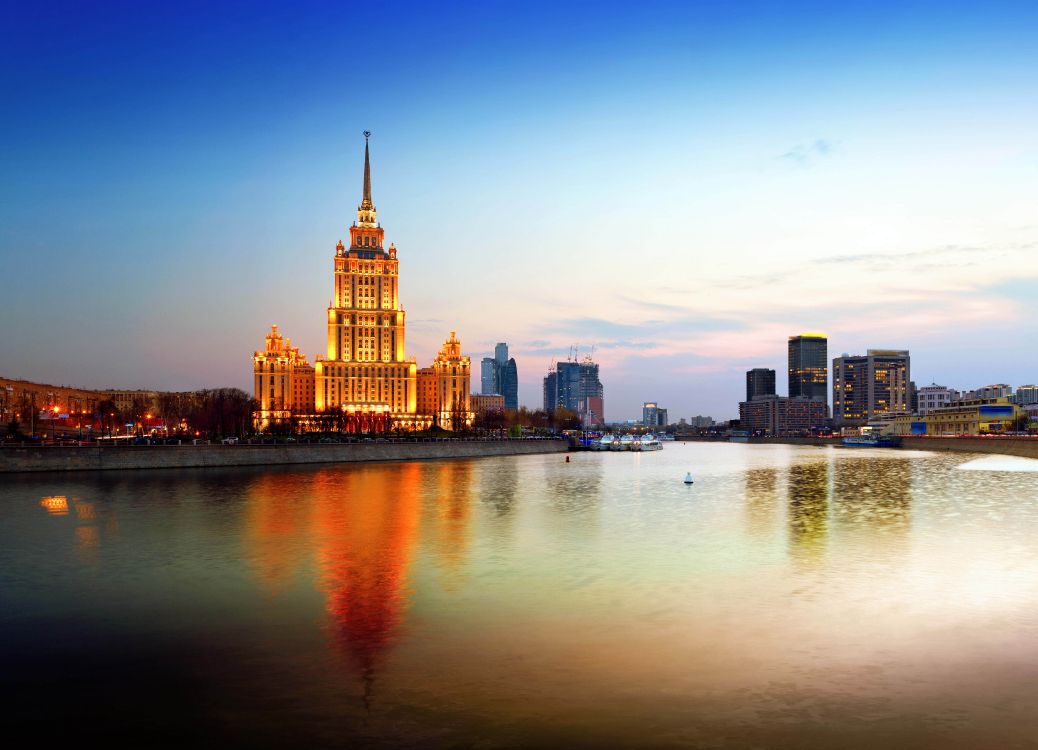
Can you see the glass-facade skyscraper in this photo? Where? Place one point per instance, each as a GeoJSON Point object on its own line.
{"type": "Point", "coordinates": [809, 366]}
{"type": "Point", "coordinates": [499, 374]}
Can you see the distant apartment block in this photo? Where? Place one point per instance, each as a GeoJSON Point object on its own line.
{"type": "Point", "coordinates": [1027, 395]}
{"type": "Point", "coordinates": [654, 415]}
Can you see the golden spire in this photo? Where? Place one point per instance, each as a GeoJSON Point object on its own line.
{"type": "Point", "coordinates": [366, 215]}
{"type": "Point", "coordinates": [366, 200]}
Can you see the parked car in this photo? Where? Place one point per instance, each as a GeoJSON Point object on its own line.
{"type": "Point", "coordinates": [230, 441]}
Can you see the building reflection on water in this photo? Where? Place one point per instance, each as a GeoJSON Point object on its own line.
{"type": "Point", "coordinates": [91, 525]}
{"type": "Point", "coordinates": [365, 525]}
{"type": "Point", "coordinates": [874, 494]}
{"type": "Point", "coordinates": [762, 500]}
{"type": "Point", "coordinates": [807, 489]}
{"type": "Point", "coordinates": [447, 502]}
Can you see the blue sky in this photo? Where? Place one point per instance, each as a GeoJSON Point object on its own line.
{"type": "Point", "coordinates": [681, 185]}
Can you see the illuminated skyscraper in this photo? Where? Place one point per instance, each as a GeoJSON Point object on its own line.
{"type": "Point", "coordinates": [809, 366]}
{"type": "Point", "coordinates": [366, 379]}
{"type": "Point", "coordinates": [865, 386]}
{"type": "Point", "coordinates": [760, 381]}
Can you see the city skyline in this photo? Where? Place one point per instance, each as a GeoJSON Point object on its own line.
{"type": "Point", "coordinates": [697, 200]}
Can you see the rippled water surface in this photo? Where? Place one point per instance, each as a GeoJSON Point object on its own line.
{"type": "Point", "coordinates": [792, 597]}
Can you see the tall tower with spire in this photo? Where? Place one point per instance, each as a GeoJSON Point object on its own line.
{"type": "Point", "coordinates": [366, 382]}
{"type": "Point", "coordinates": [366, 370]}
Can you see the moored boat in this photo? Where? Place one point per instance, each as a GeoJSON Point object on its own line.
{"type": "Point", "coordinates": [648, 442]}
{"type": "Point", "coordinates": [871, 441]}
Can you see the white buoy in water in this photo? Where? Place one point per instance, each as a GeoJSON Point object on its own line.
{"type": "Point", "coordinates": [688, 478]}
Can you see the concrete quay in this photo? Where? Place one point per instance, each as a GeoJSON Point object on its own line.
{"type": "Point", "coordinates": [104, 458]}
{"type": "Point", "coordinates": [1025, 447]}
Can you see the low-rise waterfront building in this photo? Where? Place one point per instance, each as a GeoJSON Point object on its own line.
{"type": "Point", "coordinates": [481, 403]}
{"type": "Point", "coordinates": [973, 417]}
{"type": "Point", "coordinates": [782, 415]}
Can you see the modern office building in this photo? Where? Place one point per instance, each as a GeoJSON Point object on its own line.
{"type": "Point", "coordinates": [499, 374]}
{"type": "Point", "coordinates": [760, 381]}
{"type": "Point", "coordinates": [654, 415]}
{"type": "Point", "coordinates": [809, 366]}
{"type": "Point", "coordinates": [577, 387]}
{"type": "Point", "coordinates": [366, 380]}
{"type": "Point", "coordinates": [488, 376]}
{"type": "Point", "coordinates": [933, 396]}
{"type": "Point", "coordinates": [782, 416]}
{"type": "Point", "coordinates": [865, 386]}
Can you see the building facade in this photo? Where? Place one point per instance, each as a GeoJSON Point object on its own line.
{"type": "Point", "coordinates": [782, 415]}
{"type": "Point", "coordinates": [809, 366]}
{"type": "Point", "coordinates": [499, 374]}
{"type": "Point", "coordinates": [577, 387]}
{"type": "Point", "coordinates": [974, 417]}
{"type": "Point", "coordinates": [869, 385]}
{"type": "Point", "coordinates": [933, 396]}
{"type": "Point", "coordinates": [760, 381]}
{"type": "Point", "coordinates": [484, 403]}
{"type": "Point", "coordinates": [488, 376]}
{"type": "Point", "coordinates": [283, 380]}
{"type": "Point", "coordinates": [443, 387]}
{"type": "Point", "coordinates": [654, 415]}
{"type": "Point", "coordinates": [1027, 395]}
{"type": "Point", "coordinates": [365, 379]}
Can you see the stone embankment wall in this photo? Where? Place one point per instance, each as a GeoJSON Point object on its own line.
{"type": "Point", "coordinates": [92, 458]}
{"type": "Point", "coordinates": [1008, 446]}
{"type": "Point", "coordinates": [1021, 446]}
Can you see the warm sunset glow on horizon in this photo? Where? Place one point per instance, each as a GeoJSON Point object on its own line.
{"type": "Point", "coordinates": [681, 186]}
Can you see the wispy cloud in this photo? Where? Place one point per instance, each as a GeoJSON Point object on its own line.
{"type": "Point", "coordinates": [808, 154]}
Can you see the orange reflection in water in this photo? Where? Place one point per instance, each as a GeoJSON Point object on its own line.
{"type": "Point", "coordinates": [451, 489]}
{"type": "Point", "coordinates": [365, 525]}
{"type": "Point", "coordinates": [276, 520]}
{"type": "Point", "coordinates": [55, 505]}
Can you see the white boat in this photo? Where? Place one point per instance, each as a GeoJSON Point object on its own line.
{"type": "Point", "coordinates": [648, 442]}
{"type": "Point", "coordinates": [626, 443]}
{"type": "Point", "coordinates": [617, 444]}
{"type": "Point", "coordinates": [604, 443]}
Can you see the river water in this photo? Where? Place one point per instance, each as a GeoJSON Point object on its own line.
{"type": "Point", "coordinates": [792, 597]}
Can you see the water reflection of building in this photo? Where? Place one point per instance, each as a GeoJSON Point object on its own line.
{"type": "Point", "coordinates": [365, 526]}
{"type": "Point", "coordinates": [276, 516]}
{"type": "Point", "coordinates": [446, 519]}
{"type": "Point", "coordinates": [762, 497]}
{"type": "Point", "coordinates": [874, 494]}
{"type": "Point", "coordinates": [807, 489]}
